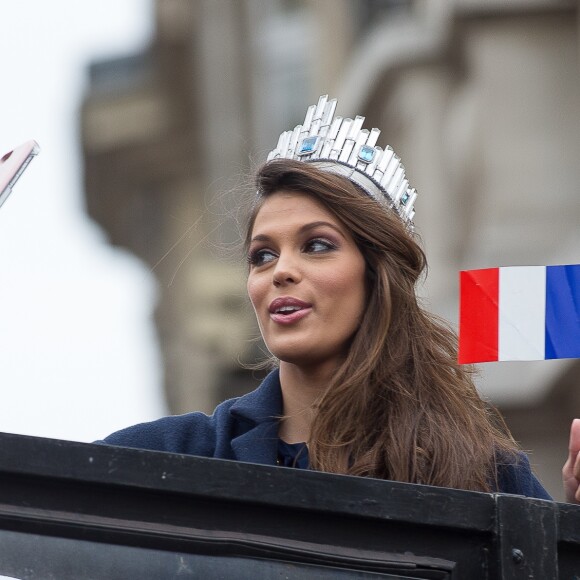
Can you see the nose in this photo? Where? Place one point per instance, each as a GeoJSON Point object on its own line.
{"type": "Point", "coordinates": [287, 271]}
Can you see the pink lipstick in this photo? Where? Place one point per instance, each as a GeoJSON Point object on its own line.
{"type": "Point", "coordinates": [287, 310]}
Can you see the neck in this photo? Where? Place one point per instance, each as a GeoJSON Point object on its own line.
{"type": "Point", "coordinates": [301, 387]}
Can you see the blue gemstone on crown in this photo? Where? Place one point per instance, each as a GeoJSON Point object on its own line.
{"type": "Point", "coordinates": [405, 198]}
{"type": "Point", "coordinates": [366, 153]}
{"type": "Point", "coordinates": [308, 145]}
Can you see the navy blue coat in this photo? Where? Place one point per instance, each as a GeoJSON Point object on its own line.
{"type": "Point", "coordinates": [246, 429]}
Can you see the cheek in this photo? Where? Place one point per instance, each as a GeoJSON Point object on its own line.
{"type": "Point", "coordinates": [346, 289]}
{"type": "Point", "coordinates": [355, 289]}
{"type": "Point", "coordinates": [356, 292]}
{"type": "Point", "coordinates": [255, 290]}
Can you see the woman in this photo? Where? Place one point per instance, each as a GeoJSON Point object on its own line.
{"type": "Point", "coordinates": [366, 382]}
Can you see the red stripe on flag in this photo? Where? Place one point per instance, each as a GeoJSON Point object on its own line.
{"type": "Point", "coordinates": [478, 315]}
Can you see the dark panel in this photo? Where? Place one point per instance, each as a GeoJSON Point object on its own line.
{"type": "Point", "coordinates": [72, 511]}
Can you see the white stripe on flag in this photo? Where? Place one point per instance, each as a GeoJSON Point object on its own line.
{"type": "Point", "coordinates": [522, 313]}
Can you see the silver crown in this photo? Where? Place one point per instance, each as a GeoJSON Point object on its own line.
{"type": "Point", "coordinates": [343, 147]}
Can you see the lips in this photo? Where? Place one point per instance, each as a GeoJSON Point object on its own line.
{"type": "Point", "coordinates": [286, 310]}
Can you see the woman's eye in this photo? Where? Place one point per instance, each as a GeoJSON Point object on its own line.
{"type": "Point", "coordinates": [319, 245]}
{"type": "Point", "coordinates": [260, 257]}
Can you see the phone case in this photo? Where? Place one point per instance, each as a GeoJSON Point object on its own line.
{"type": "Point", "coordinates": [12, 165]}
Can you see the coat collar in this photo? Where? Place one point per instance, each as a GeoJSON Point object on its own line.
{"type": "Point", "coordinates": [262, 405]}
{"type": "Point", "coordinates": [260, 410]}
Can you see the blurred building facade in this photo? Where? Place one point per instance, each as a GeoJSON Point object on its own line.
{"type": "Point", "coordinates": [481, 98]}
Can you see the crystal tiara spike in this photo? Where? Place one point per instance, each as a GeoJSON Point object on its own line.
{"type": "Point", "coordinates": [343, 147]}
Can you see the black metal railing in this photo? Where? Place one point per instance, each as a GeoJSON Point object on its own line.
{"type": "Point", "coordinates": [79, 511]}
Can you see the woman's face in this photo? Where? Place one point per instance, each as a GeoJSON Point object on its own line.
{"type": "Point", "coordinates": [306, 280]}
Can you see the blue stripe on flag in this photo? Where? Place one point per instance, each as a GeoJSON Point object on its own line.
{"type": "Point", "coordinates": [563, 311]}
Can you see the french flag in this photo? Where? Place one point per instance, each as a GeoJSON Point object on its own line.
{"type": "Point", "coordinates": [519, 313]}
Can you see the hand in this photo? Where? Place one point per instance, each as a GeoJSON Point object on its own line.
{"type": "Point", "coordinates": [571, 469]}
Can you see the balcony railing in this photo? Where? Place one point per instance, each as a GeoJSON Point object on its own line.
{"type": "Point", "coordinates": [80, 511]}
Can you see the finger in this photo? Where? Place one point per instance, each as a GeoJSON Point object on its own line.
{"type": "Point", "coordinates": [576, 467]}
{"type": "Point", "coordinates": [574, 443]}
{"type": "Point", "coordinates": [570, 479]}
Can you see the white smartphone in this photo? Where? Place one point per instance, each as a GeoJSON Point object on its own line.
{"type": "Point", "coordinates": [12, 166]}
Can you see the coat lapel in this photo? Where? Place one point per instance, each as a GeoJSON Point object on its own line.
{"type": "Point", "coordinates": [257, 415]}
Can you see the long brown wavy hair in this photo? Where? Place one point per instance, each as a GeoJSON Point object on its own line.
{"type": "Point", "coordinates": [399, 406]}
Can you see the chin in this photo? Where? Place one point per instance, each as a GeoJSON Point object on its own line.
{"type": "Point", "coordinates": [292, 355]}
{"type": "Point", "coordinates": [302, 357]}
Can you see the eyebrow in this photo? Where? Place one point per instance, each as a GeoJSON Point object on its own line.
{"type": "Point", "coordinates": [301, 230]}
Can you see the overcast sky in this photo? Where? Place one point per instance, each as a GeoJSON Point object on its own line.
{"type": "Point", "coordinates": [78, 353]}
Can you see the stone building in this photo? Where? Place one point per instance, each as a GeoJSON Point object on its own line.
{"type": "Point", "coordinates": [481, 98]}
